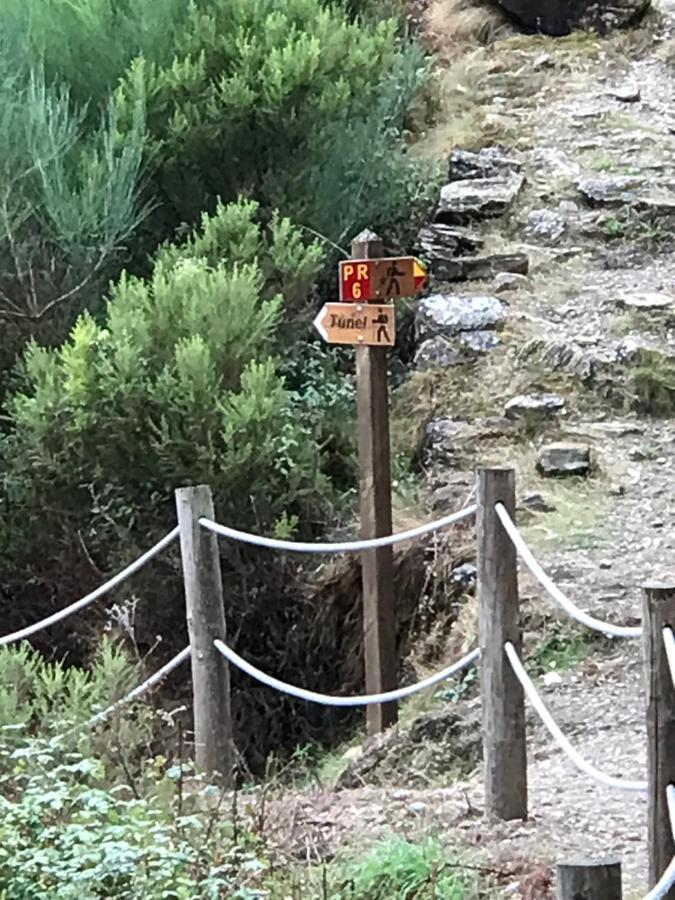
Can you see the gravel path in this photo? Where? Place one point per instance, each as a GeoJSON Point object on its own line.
{"type": "Point", "coordinates": [625, 534]}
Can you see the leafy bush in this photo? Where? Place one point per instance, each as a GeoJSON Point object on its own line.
{"type": "Point", "coordinates": [46, 697]}
{"type": "Point", "coordinates": [179, 384]}
{"type": "Point", "coordinates": [84, 813]}
{"type": "Point", "coordinates": [72, 40]}
{"type": "Point", "coordinates": [393, 869]}
{"type": "Point", "coordinates": [402, 870]}
{"type": "Point", "coordinates": [67, 832]}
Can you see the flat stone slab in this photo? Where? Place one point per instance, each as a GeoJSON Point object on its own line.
{"type": "Point", "coordinates": [438, 241]}
{"type": "Point", "coordinates": [452, 314]}
{"type": "Point", "coordinates": [627, 93]}
{"type": "Point", "coordinates": [617, 190]}
{"type": "Point", "coordinates": [563, 460]}
{"type": "Point", "coordinates": [536, 503]}
{"type": "Point", "coordinates": [440, 352]}
{"type": "Point", "coordinates": [479, 268]}
{"type": "Point", "coordinates": [610, 190]}
{"type": "Point", "coordinates": [534, 405]}
{"type": "Point", "coordinates": [545, 225]}
{"type": "Point", "coordinates": [442, 439]}
{"type": "Point", "coordinates": [510, 281]}
{"type": "Point", "coordinates": [646, 301]}
{"type": "Point", "coordinates": [490, 162]}
{"type": "Point", "coordinates": [464, 201]}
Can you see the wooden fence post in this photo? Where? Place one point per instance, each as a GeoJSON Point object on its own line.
{"type": "Point", "coordinates": [379, 608]}
{"type": "Point", "coordinates": [586, 880]}
{"type": "Point", "coordinates": [659, 612]}
{"type": "Point", "coordinates": [502, 698]}
{"type": "Point", "coordinates": [214, 749]}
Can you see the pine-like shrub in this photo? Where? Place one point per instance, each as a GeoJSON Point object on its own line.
{"type": "Point", "coordinates": [69, 202]}
{"type": "Point", "coordinates": [290, 101]}
{"type": "Point", "coordinates": [178, 383]}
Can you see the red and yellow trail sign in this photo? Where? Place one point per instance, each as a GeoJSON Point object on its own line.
{"type": "Point", "coordinates": [380, 280]}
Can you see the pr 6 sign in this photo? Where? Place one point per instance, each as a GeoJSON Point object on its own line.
{"type": "Point", "coordinates": [355, 282]}
{"type": "Point", "coordinates": [381, 280]}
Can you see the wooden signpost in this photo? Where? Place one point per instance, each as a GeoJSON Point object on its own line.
{"type": "Point", "coordinates": [365, 317]}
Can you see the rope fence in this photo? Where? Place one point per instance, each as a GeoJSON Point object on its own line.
{"type": "Point", "coordinates": [554, 730]}
{"type": "Point", "coordinates": [329, 700]}
{"type": "Point", "coordinates": [663, 885]}
{"type": "Point", "coordinates": [101, 591]}
{"type": "Point", "coordinates": [505, 683]}
{"type": "Point", "coordinates": [549, 585]}
{"type": "Point", "coordinates": [669, 641]}
{"type": "Point", "coordinates": [340, 547]}
{"type": "Point", "coordinates": [144, 687]}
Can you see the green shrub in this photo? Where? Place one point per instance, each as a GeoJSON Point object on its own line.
{"type": "Point", "coordinates": [182, 382]}
{"type": "Point", "coordinates": [70, 832]}
{"type": "Point", "coordinates": [403, 870]}
{"type": "Point", "coordinates": [87, 44]}
{"type": "Point", "coordinates": [68, 204]}
{"type": "Point", "coordinates": [178, 384]}
{"type": "Point", "coordinates": [288, 100]}
{"type": "Point", "coordinates": [46, 697]}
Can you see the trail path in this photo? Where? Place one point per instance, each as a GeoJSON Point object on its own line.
{"type": "Point", "coordinates": [623, 532]}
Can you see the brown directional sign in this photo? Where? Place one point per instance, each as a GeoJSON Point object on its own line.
{"type": "Point", "coordinates": [380, 280]}
{"type": "Point", "coordinates": [357, 323]}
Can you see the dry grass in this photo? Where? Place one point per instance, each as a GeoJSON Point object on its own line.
{"type": "Point", "coordinates": [452, 27]}
{"type": "Point", "coordinates": [457, 96]}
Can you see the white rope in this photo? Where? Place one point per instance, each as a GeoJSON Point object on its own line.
{"type": "Point", "coordinates": [549, 722]}
{"type": "Point", "coordinates": [327, 699]}
{"type": "Point", "coordinates": [664, 884]}
{"type": "Point", "coordinates": [570, 608]}
{"type": "Point", "coordinates": [340, 547]}
{"type": "Point", "coordinates": [99, 592]}
{"type": "Point", "coordinates": [667, 880]}
{"type": "Point", "coordinates": [670, 796]}
{"type": "Point", "coordinates": [150, 682]}
{"type": "Point", "coordinates": [669, 641]}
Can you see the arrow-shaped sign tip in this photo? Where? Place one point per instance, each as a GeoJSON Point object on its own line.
{"type": "Point", "coordinates": [318, 323]}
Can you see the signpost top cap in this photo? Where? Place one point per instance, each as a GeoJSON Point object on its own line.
{"type": "Point", "coordinates": [365, 237]}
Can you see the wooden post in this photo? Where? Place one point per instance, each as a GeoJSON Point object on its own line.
{"type": "Point", "coordinates": [206, 622]}
{"type": "Point", "coordinates": [586, 880]}
{"type": "Point", "coordinates": [659, 612]}
{"type": "Point", "coordinates": [379, 611]}
{"type": "Point", "coordinates": [503, 702]}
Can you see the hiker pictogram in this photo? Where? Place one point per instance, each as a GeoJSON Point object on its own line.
{"type": "Point", "coordinates": [382, 321]}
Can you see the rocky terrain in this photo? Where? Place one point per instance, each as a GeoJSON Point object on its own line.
{"type": "Point", "coordinates": [552, 286]}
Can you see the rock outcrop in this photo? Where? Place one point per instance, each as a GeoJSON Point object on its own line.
{"type": "Point", "coordinates": [558, 17]}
